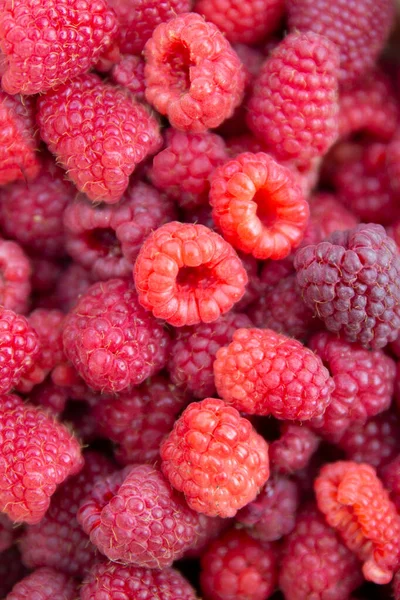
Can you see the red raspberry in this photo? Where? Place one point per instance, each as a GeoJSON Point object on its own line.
{"type": "Point", "coordinates": [194, 349]}
{"type": "Point", "coordinates": [44, 584]}
{"type": "Point", "coordinates": [275, 270]}
{"type": "Point", "coordinates": [6, 533]}
{"type": "Point", "coordinates": [133, 516]}
{"type": "Point", "coordinates": [393, 165]}
{"type": "Point", "coordinates": [390, 475]}
{"type": "Point", "coordinates": [111, 340]}
{"type": "Point", "coordinates": [49, 395]}
{"type": "Point", "coordinates": [105, 239]}
{"type": "Point", "coordinates": [48, 42]}
{"type": "Point", "coordinates": [315, 563]}
{"type": "Point", "coordinates": [294, 106]}
{"type": "Point", "coordinates": [208, 529]}
{"type": "Point", "coordinates": [185, 165]}
{"type": "Point", "coordinates": [187, 274]}
{"type": "Point", "coordinates": [107, 581]}
{"type": "Point", "coordinates": [139, 420]}
{"type": "Point", "coordinates": [98, 134]}
{"type": "Point", "coordinates": [15, 272]}
{"type": "Point", "coordinates": [129, 73]}
{"type": "Point", "coordinates": [252, 58]}
{"type": "Point", "coordinates": [193, 76]}
{"type": "Point", "coordinates": [258, 205]}
{"type": "Point", "coordinates": [327, 215]}
{"type": "Point", "coordinates": [19, 349]}
{"type": "Point", "coordinates": [31, 441]}
{"type": "Point", "coordinates": [238, 567]}
{"type": "Point", "coordinates": [72, 283]}
{"type": "Point", "coordinates": [358, 29]}
{"type": "Point", "coordinates": [352, 283]}
{"type": "Point", "coordinates": [254, 287]}
{"type": "Point", "coordinates": [294, 448]}
{"type": "Point", "coordinates": [216, 458]}
{"type": "Point", "coordinates": [265, 373]}
{"type": "Point", "coordinates": [66, 376]}
{"type": "Point", "coordinates": [11, 570]}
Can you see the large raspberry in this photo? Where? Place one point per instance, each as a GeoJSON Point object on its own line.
{"type": "Point", "coordinates": [98, 133]}
{"type": "Point", "coordinates": [19, 349]}
{"type": "Point", "coordinates": [15, 272]}
{"type": "Point", "coordinates": [294, 448]}
{"type": "Point", "coordinates": [44, 584]}
{"type": "Point", "coordinates": [265, 373]}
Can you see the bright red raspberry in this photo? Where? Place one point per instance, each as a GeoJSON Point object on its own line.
{"type": "Point", "coordinates": [265, 373]}
{"type": "Point", "coordinates": [44, 584]}
{"type": "Point", "coordinates": [129, 73]}
{"type": "Point", "coordinates": [354, 502]}
{"type": "Point", "coordinates": [194, 349]}
{"type": "Point", "coordinates": [134, 516]}
{"type": "Point", "coordinates": [390, 476]}
{"type": "Point", "coordinates": [107, 581]}
{"type": "Point", "coordinates": [215, 457]}
{"type": "Point", "coordinates": [72, 283]}
{"type": "Point", "coordinates": [48, 42]}
{"type": "Point", "coordinates": [32, 440]}
{"type": "Point", "coordinates": [294, 105]}
{"type": "Point", "coordinates": [6, 533]}
{"type": "Point", "coordinates": [49, 395]}
{"type": "Point", "coordinates": [193, 76]}
{"type": "Point", "coordinates": [393, 165]}
{"type": "Point", "coordinates": [19, 349]}
{"type": "Point", "coordinates": [15, 272]}
{"type": "Point", "coordinates": [184, 167]}
{"type": "Point", "coordinates": [352, 282]}
{"type": "Point", "coordinates": [315, 564]}
{"type": "Point", "coordinates": [327, 215]}
{"type": "Point", "coordinates": [358, 29]}
{"type": "Point", "coordinates": [99, 133]}
{"type": "Point", "coordinates": [294, 448]}
{"type": "Point", "coordinates": [105, 239]}
{"type": "Point", "coordinates": [111, 340]}
{"type": "Point", "coordinates": [188, 274]}
{"type": "Point", "coordinates": [238, 567]}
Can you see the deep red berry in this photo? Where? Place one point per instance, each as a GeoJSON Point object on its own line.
{"type": "Point", "coordinates": [294, 448]}
{"type": "Point", "coordinates": [254, 287]}
{"type": "Point", "coordinates": [6, 533]}
{"type": "Point", "coordinates": [49, 395]}
{"type": "Point", "coordinates": [275, 270]}
{"type": "Point", "coordinates": [390, 475]}
{"type": "Point", "coordinates": [393, 165]}
{"type": "Point", "coordinates": [72, 283]}
{"type": "Point", "coordinates": [129, 73]}
{"type": "Point", "coordinates": [45, 274]}
{"type": "Point", "coordinates": [15, 271]}
{"type": "Point", "coordinates": [19, 349]}
{"type": "Point", "coordinates": [44, 584]}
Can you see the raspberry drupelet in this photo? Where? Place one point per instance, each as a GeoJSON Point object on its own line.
{"type": "Point", "coordinates": [354, 502]}
{"type": "Point", "coordinates": [215, 457]}
{"type": "Point", "coordinates": [129, 73]}
{"type": "Point", "coordinates": [15, 273]}
{"type": "Point", "coordinates": [294, 448]}
{"type": "Point", "coordinates": [193, 75]}
{"type": "Point", "coordinates": [258, 206]}
{"type": "Point", "coordinates": [352, 283]}
{"type": "Point", "coordinates": [98, 133]}
{"type": "Point", "coordinates": [19, 349]}
{"type": "Point", "coordinates": [265, 373]}
{"type": "Point", "coordinates": [188, 274]}
{"type": "Point", "coordinates": [44, 584]}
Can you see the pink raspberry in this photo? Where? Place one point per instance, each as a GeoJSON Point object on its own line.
{"type": "Point", "coordinates": [294, 105]}
{"type": "Point", "coordinates": [215, 457]}
{"type": "Point", "coordinates": [49, 395]}
{"type": "Point", "coordinates": [98, 133]}
{"type": "Point", "coordinates": [327, 215]}
{"type": "Point", "coordinates": [238, 567]}
{"type": "Point", "coordinates": [48, 42]}
{"type": "Point", "coordinates": [26, 481]}
{"type": "Point", "coordinates": [15, 272]}
{"type": "Point", "coordinates": [193, 76]}
{"type": "Point", "coordinates": [44, 584]}
{"type": "Point", "coordinates": [72, 283]}
{"type": "Point", "coordinates": [19, 349]}
{"type": "Point", "coordinates": [265, 373]}
{"type": "Point", "coordinates": [294, 448]}
{"type": "Point", "coordinates": [105, 239]}
{"type": "Point", "coordinates": [194, 349]}
{"type": "Point", "coordinates": [6, 533]}
{"type": "Point", "coordinates": [335, 571]}
{"type": "Point", "coordinates": [129, 73]}
{"type": "Point", "coordinates": [390, 475]}
{"type": "Point", "coordinates": [187, 274]}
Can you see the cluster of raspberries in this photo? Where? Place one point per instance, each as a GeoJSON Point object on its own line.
{"type": "Point", "coordinates": [199, 300]}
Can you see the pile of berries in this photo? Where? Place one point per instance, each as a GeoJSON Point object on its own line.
{"type": "Point", "coordinates": [199, 300]}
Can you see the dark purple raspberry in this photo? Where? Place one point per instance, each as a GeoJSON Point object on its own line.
{"type": "Point", "coordinates": [294, 448]}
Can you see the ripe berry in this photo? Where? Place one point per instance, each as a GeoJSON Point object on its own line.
{"type": "Point", "coordinates": [44, 584]}
{"type": "Point", "coordinates": [328, 214]}
{"type": "Point", "coordinates": [15, 272]}
{"type": "Point", "coordinates": [72, 283]}
{"type": "Point", "coordinates": [129, 73]}
{"type": "Point", "coordinates": [19, 349]}
{"type": "Point", "coordinates": [294, 448]}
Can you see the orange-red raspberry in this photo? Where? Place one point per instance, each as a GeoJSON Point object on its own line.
{"type": "Point", "coordinates": [294, 448]}
{"type": "Point", "coordinates": [44, 584]}
{"type": "Point", "coordinates": [19, 349]}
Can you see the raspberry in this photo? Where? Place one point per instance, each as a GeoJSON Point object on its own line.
{"type": "Point", "coordinates": [238, 567]}
{"type": "Point", "coordinates": [252, 58]}
{"type": "Point", "coordinates": [133, 516]}
{"type": "Point", "coordinates": [107, 581]}
{"type": "Point", "coordinates": [359, 29]}
{"type": "Point", "coordinates": [390, 475]}
{"type": "Point", "coordinates": [193, 76]}
{"type": "Point", "coordinates": [294, 105]}
{"type": "Point", "coordinates": [32, 440]}
{"type": "Point", "coordinates": [187, 274]}
{"type": "Point", "coordinates": [44, 584]}
{"type": "Point", "coordinates": [254, 287]}
{"type": "Point", "coordinates": [49, 395]}
{"type": "Point", "coordinates": [49, 42]}
{"type": "Point", "coordinates": [294, 448]}
{"type": "Point", "coordinates": [194, 349]}
{"type": "Point", "coordinates": [351, 282]}
{"type": "Point", "coordinates": [105, 239]}
{"type": "Point", "coordinates": [6, 533]}
{"type": "Point", "coordinates": [98, 134]}
{"type": "Point", "coordinates": [327, 215]}
{"type": "Point", "coordinates": [275, 270]}
{"type": "Point", "coordinates": [208, 529]}
{"type": "Point", "coordinates": [315, 563]}
{"type": "Point", "coordinates": [265, 373]}
{"type": "Point", "coordinates": [19, 348]}
{"type": "Point", "coordinates": [72, 283]}
{"type": "Point", "coordinates": [15, 272]}
{"type": "Point", "coordinates": [138, 421]}
{"type": "Point", "coordinates": [11, 570]}
{"type": "Point", "coordinates": [272, 515]}
{"type": "Point", "coordinates": [129, 73]}
{"type": "Point", "coordinates": [45, 274]}
{"type": "Point", "coordinates": [184, 167]}
{"type": "Point", "coordinates": [111, 340]}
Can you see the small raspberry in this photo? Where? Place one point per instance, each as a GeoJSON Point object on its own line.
{"type": "Point", "coordinates": [49, 395]}
{"type": "Point", "coordinates": [98, 133]}
{"type": "Point", "coordinates": [258, 206]}
{"type": "Point", "coordinates": [390, 476]}
{"type": "Point", "coordinates": [15, 272]}
{"type": "Point", "coordinates": [19, 349]}
{"type": "Point", "coordinates": [294, 448]}
{"type": "Point", "coordinates": [193, 76]}
{"type": "Point", "coordinates": [328, 215]}
{"type": "Point", "coordinates": [294, 105]}
{"type": "Point", "coordinates": [129, 73]}
{"type": "Point", "coordinates": [44, 584]}
{"type": "Point", "coordinates": [187, 274]}
{"type": "Point", "coordinates": [72, 283]}
{"type": "Point", "coordinates": [6, 533]}
{"type": "Point", "coordinates": [351, 281]}
{"type": "Point", "coordinates": [262, 372]}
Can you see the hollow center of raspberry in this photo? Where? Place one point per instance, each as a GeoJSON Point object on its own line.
{"type": "Point", "coordinates": [195, 277]}
{"type": "Point", "coordinates": [266, 210]}
{"type": "Point", "coordinates": [179, 63]}
{"type": "Point", "coordinates": [104, 241]}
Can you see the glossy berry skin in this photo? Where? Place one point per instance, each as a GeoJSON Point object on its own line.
{"type": "Point", "coordinates": [111, 340]}
{"type": "Point", "coordinates": [215, 457]}
{"type": "Point", "coordinates": [293, 108]}
{"type": "Point", "coordinates": [238, 567]}
{"type": "Point", "coordinates": [44, 584]}
{"type": "Point", "coordinates": [19, 348]}
{"type": "Point", "coordinates": [355, 503]}
{"type": "Point", "coordinates": [351, 281]}
{"type": "Point", "coordinates": [129, 73]}
{"type": "Point", "coordinates": [15, 271]}
{"type": "Point", "coordinates": [265, 373]}
{"type": "Point", "coordinates": [294, 448]}
{"type": "Point", "coordinates": [188, 274]}
{"type": "Point", "coordinates": [258, 206]}
{"type": "Point", "coordinates": [193, 76]}
{"type": "Point", "coordinates": [98, 133]}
